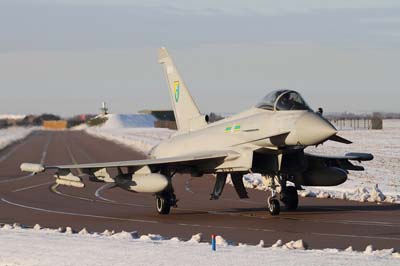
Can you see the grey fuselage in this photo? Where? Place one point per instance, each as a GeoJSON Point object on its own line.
{"type": "Point", "coordinates": [249, 131]}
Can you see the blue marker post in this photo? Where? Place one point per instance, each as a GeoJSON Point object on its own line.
{"type": "Point", "coordinates": [213, 243]}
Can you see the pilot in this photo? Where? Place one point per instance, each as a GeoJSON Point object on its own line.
{"type": "Point", "coordinates": [285, 102]}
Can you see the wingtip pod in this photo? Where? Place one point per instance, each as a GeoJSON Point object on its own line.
{"type": "Point", "coordinates": [32, 168]}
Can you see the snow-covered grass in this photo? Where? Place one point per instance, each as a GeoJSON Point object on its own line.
{"type": "Point", "coordinates": [13, 134]}
{"type": "Point", "coordinates": [381, 179]}
{"type": "Point", "coordinates": [39, 246]}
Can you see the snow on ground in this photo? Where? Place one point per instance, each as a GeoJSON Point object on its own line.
{"type": "Point", "coordinates": [12, 116]}
{"type": "Point", "coordinates": [136, 131]}
{"type": "Point", "coordinates": [115, 121]}
{"type": "Point", "coordinates": [381, 179]}
{"type": "Point", "coordinates": [13, 134]}
{"type": "Point", "coordinates": [142, 139]}
{"type": "Point", "coordinates": [43, 247]}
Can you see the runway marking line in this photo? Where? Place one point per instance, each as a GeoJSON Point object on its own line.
{"type": "Point", "coordinates": [74, 161]}
{"type": "Point", "coordinates": [77, 214]}
{"type": "Point", "coordinates": [16, 147]}
{"type": "Point", "coordinates": [16, 178]}
{"type": "Point", "coordinates": [365, 223]}
{"type": "Point", "coordinates": [53, 188]}
{"type": "Point", "coordinates": [188, 225]}
{"type": "Point", "coordinates": [44, 154]}
{"type": "Point", "coordinates": [34, 186]}
{"type": "Point", "coordinates": [99, 190]}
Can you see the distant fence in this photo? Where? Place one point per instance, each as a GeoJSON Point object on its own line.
{"type": "Point", "coordinates": [357, 123]}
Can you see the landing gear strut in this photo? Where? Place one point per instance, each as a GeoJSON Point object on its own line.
{"type": "Point", "coordinates": [272, 202]}
{"type": "Point", "coordinates": [165, 200]}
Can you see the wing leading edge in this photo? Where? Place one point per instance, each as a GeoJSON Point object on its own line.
{"type": "Point", "coordinates": [184, 159]}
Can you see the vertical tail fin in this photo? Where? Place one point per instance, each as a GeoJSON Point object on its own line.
{"type": "Point", "coordinates": [187, 114]}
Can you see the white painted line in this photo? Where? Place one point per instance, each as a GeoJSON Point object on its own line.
{"type": "Point", "coordinates": [15, 148]}
{"type": "Point", "coordinates": [44, 153]}
{"type": "Point", "coordinates": [54, 189]}
{"type": "Point", "coordinates": [98, 193]}
{"type": "Point", "coordinates": [46, 146]}
{"type": "Point", "coordinates": [34, 186]}
{"type": "Point", "coordinates": [78, 214]}
{"type": "Point", "coordinates": [11, 151]}
{"type": "Point", "coordinates": [189, 225]}
{"type": "Point", "coordinates": [16, 178]}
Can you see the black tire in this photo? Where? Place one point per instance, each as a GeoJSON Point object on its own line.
{"type": "Point", "coordinates": [274, 207]}
{"type": "Point", "coordinates": [290, 198]}
{"type": "Point", "coordinates": [162, 206]}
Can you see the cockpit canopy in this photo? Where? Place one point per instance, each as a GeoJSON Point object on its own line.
{"type": "Point", "coordinates": [283, 100]}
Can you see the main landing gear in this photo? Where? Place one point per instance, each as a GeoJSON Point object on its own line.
{"type": "Point", "coordinates": [165, 200]}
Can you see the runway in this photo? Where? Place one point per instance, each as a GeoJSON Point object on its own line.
{"type": "Point", "coordinates": [322, 223]}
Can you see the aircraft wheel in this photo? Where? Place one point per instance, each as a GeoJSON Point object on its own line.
{"type": "Point", "coordinates": [290, 198]}
{"type": "Point", "coordinates": [162, 206]}
{"type": "Point", "coordinates": [273, 206]}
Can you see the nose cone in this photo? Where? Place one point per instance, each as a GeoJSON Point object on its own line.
{"type": "Point", "coordinates": [312, 129]}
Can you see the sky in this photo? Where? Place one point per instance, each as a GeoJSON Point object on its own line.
{"type": "Point", "coordinates": [67, 56]}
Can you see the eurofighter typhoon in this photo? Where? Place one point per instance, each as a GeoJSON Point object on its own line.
{"type": "Point", "coordinates": [268, 138]}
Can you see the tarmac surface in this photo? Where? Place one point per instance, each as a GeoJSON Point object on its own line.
{"type": "Point", "coordinates": [321, 223]}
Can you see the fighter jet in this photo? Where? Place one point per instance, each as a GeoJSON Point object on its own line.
{"type": "Point", "coordinates": [268, 138]}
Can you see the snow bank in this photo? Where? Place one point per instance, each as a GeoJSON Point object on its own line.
{"type": "Point", "coordinates": [360, 193]}
{"type": "Point", "coordinates": [140, 139]}
{"type": "Point", "coordinates": [116, 121]}
{"type": "Point", "coordinates": [12, 116]}
{"type": "Point", "coordinates": [135, 130]}
{"type": "Point", "coordinates": [13, 134]}
{"type": "Point", "coordinates": [50, 247]}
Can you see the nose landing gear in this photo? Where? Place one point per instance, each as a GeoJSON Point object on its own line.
{"type": "Point", "coordinates": [288, 195]}
{"type": "Point", "coordinates": [274, 207]}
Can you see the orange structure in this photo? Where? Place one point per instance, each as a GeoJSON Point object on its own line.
{"type": "Point", "coordinates": [55, 124]}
